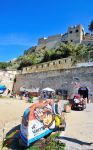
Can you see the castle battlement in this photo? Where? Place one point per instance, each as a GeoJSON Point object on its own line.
{"type": "Point", "coordinates": [45, 40]}
{"type": "Point", "coordinates": [75, 34]}
{"type": "Point", "coordinates": [63, 63]}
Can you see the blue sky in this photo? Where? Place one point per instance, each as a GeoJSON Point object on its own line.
{"type": "Point", "coordinates": [22, 22]}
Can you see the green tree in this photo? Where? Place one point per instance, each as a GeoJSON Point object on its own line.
{"type": "Point", "coordinates": [3, 65]}
{"type": "Point", "coordinates": [80, 53]}
{"type": "Point", "coordinates": [66, 50]}
{"type": "Point", "coordinates": [25, 62]}
{"type": "Point", "coordinates": [46, 57]}
{"type": "Point", "coordinates": [91, 27]}
{"type": "Point", "coordinates": [30, 50]}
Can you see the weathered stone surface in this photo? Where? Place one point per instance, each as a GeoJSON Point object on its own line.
{"type": "Point", "coordinates": [68, 78]}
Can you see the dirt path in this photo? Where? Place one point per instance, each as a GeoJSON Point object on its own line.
{"type": "Point", "coordinates": [79, 131]}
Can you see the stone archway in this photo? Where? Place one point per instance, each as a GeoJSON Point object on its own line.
{"type": "Point", "coordinates": [83, 91]}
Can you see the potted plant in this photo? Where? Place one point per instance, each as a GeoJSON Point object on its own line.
{"type": "Point", "coordinates": [67, 107]}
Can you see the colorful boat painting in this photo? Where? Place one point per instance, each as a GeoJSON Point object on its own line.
{"type": "Point", "coordinates": [37, 122]}
{"type": "Point", "coordinates": [2, 88]}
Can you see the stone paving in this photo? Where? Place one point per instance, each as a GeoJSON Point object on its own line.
{"type": "Point", "coordinates": [79, 131]}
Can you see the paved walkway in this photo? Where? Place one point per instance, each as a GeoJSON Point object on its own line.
{"type": "Point", "coordinates": [79, 131]}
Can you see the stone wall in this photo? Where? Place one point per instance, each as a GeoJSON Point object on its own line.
{"type": "Point", "coordinates": [44, 40]}
{"type": "Point", "coordinates": [7, 78]}
{"type": "Point", "coordinates": [69, 79]}
{"type": "Point", "coordinates": [87, 42]}
{"type": "Point", "coordinates": [64, 63]}
{"type": "Point", "coordinates": [49, 43]}
{"type": "Point", "coordinates": [88, 37]}
{"type": "Point", "coordinates": [64, 37]}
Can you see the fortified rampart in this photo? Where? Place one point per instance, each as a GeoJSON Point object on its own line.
{"type": "Point", "coordinates": [64, 63]}
{"type": "Point", "coordinates": [88, 36]}
{"type": "Point", "coordinates": [55, 74]}
{"type": "Point", "coordinates": [65, 78]}
{"type": "Point", "coordinates": [75, 34]}
{"type": "Point", "coordinates": [56, 37]}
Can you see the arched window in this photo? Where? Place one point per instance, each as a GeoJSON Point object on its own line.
{"type": "Point", "coordinates": [76, 30]}
{"type": "Point", "coordinates": [70, 32]}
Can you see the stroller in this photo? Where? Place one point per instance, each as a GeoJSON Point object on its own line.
{"type": "Point", "coordinates": [78, 102]}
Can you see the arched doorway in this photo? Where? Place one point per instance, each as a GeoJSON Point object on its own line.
{"type": "Point", "coordinates": [83, 91]}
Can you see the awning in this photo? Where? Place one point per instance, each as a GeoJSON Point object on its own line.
{"type": "Point", "coordinates": [48, 89]}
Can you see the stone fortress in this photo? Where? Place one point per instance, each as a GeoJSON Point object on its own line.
{"type": "Point", "coordinates": [57, 73]}
{"type": "Point", "coordinates": [74, 34]}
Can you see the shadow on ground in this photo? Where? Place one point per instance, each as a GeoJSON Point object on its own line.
{"type": "Point", "coordinates": [76, 141]}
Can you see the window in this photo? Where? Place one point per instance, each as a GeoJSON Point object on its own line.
{"type": "Point", "coordinates": [53, 63]}
{"type": "Point", "coordinates": [65, 60]}
{"type": "Point", "coordinates": [70, 32]}
{"type": "Point", "coordinates": [71, 40]}
{"type": "Point", "coordinates": [77, 30]}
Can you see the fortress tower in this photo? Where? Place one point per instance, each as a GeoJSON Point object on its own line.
{"type": "Point", "coordinates": [75, 34]}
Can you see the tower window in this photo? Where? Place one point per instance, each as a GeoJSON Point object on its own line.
{"type": "Point", "coordinates": [77, 30]}
{"type": "Point", "coordinates": [70, 32]}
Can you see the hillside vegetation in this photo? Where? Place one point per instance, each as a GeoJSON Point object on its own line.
{"type": "Point", "coordinates": [81, 53]}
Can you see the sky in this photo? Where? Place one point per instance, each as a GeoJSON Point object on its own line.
{"type": "Point", "coordinates": [22, 22]}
